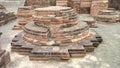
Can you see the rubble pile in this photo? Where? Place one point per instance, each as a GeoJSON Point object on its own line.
{"type": "Point", "coordinates": [55, 34]}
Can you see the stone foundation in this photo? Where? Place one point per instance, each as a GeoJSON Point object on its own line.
{"type": "Point", "coordinates": [56, 52]}
{"type": "Point", "coordinates": [55, 34]}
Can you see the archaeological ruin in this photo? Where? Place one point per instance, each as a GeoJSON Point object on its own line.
{"type": "Point", "coordinates": [40, 3]}
{"type": "Point", "coordinates": [108, 16]}
{"type": "Point", "coordinates": [80, 6]}
{"type": "Point", "coordinates": [56, 33]}
{"type": "Point", "coordinates": [85, 6]}
{"type": "Point", "coordinates": [24, 15]}
{"type": "Point", "coordinates": [114, 4]}
{"type": "Point", "coordinates": [5, 16]}
{"type": "Point", "coordinates": [4, 57]}
{"type": "Point", "coordinates": [59, 33]}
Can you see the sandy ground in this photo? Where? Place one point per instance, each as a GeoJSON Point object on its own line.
{"type": "Point", "coordinates": [107, 55]}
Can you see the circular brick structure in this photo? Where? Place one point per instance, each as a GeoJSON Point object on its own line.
{"type": "Point", "coordinates": [55, 34]}
{"type": "Point", "coordinates": [108, 16]}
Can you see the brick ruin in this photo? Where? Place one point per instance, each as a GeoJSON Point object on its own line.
{"type": "Point", "coordinates": [85, 6]}
{"type": "Point", "coordinates": [98, 5]}
{"type": "Point", "coordinates": [90, 6]}
{"type": "Point", "coordinates": [24, 16]}
{"type": "Point", "coordinates": [4, 57]}
{"type": "Point", "coordinates": [56, 33]}
{"type": "Point", "coordinates": [25, 13]}
{"type": "Point", "coordinates": [108, 16]}
{"type": "Point", "coordinates": [40, 3]}
{"type": "Point", "coordinates": [6, 16]}
{"type": "Point", "coordinates": [81, 6]}
{"type": "Point", "coordinates": [62, 3]}
{"type": "Point", "coordinates": [114, 4]}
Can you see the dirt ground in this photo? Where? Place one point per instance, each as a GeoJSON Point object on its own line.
{"type": "Point", "coordinates": [107, 55]}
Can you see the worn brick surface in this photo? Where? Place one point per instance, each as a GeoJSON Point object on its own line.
{"type": "Point", "coordinates": [85, 6]}
{"type": "Point", "coordinates": [55, 34]}
{"type": "Point", "coordinates": [108, 16]}
{"type": "Point", "coordinates": [5, 16]}
{"type": "Point", "coordinates": [114, 4]}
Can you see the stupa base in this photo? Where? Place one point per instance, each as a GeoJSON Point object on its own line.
{"type": "Point", "coordinates": [108, 16]}
{"type": "Point", "coordinates": [42, 52]}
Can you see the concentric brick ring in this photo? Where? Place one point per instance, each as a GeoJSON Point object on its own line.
{"type": "Point", "coordinates": [50, 42]}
